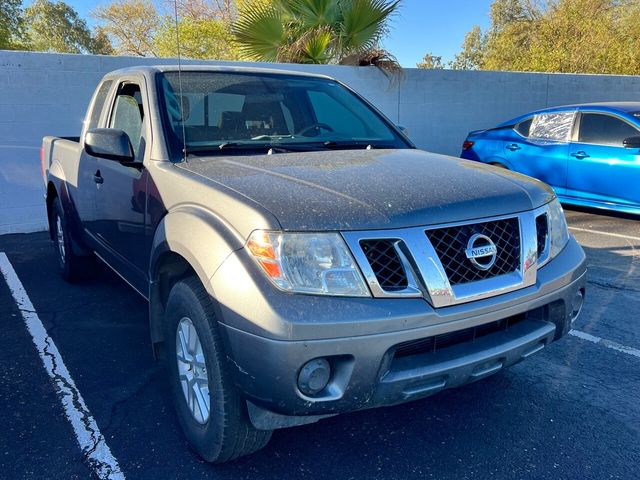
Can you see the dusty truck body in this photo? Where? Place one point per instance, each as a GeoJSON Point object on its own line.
{"type": "Point", "coordinates": [300, 257]}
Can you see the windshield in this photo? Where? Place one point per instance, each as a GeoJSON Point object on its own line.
{"type": "Point", "coordinates": [224, 111]}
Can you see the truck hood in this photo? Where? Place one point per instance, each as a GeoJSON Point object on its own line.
{"type": "Point", "coordinates": [371, 189]}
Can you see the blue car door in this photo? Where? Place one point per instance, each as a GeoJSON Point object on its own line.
{"type": "Point", "coordinates": [601, 169]}
{"type": "Point", "coordinates": [539, 147]}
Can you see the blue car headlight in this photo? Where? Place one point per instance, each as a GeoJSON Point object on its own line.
{"type": "Point", "coordinates": [558, 232]}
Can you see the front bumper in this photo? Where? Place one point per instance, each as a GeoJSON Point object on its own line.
{"type": "Point", "coordinates": [366, 370]}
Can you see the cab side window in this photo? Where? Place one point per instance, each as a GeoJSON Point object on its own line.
{"type": "Point", "coordinates": [128, 115]}
{"type": "Point", "coordinates": [604, 130]}
{"type": "Point", "coordinates": [98, 104]}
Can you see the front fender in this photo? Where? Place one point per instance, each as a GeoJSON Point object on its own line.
{"type": "Point", "coordinates": [198, 236]}
{"type": "Point", "coordinates": [202, 238]}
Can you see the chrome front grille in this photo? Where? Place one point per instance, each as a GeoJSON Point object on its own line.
{"type": "Point", "coordinates": [542, 232]}
{"type": "Point", "coordinates": [450, 244]}
{"type": "Point", "coordinates": [386, 264]}
{"type": "Point", "coordinates": [433, 263]}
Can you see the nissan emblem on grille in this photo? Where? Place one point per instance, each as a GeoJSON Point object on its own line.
{"type": "Point", "coordinates": [481, 251]}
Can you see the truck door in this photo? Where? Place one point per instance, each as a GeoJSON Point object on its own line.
{"type": "Point", "coordinates": [121, 192]}
{"type": "Point", "coordinates": [83, 191]}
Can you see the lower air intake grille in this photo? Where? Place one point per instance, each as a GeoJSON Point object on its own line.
{"type": "Point", "coordinates": [451, 243]}
{"type": "Point", "coordinates": [438, 342]}
{"type": "Point", "coordinates": [386, 264]}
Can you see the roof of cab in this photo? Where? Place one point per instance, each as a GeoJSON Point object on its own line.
{"type": "Point", "coordinates": [150, 70]}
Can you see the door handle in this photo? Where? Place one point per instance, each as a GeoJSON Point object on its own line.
{"type": "Point", "coordinates": [97, 177]}
{"type": "Point", "coordinates": [513, 147]}
{"type": "Point", "coordinates": [580, 155]}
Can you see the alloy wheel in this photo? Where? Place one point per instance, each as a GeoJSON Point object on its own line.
{"type": "Point", "coordinates": [60, 239]}
{"type": "Point", "coordinates": [192, 370]}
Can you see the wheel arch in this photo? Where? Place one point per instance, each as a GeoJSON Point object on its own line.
{"type": "Point", "coordinates": [52, 194]}
{"type": "Point", "coordinates": [498, 161]}
{"type": "Point", "coordinates": [188, 241]}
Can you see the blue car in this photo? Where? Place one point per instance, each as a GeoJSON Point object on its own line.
{"type": "Point", "coordinates": [589, 154]}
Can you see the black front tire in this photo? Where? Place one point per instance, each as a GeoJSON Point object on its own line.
{"type": "Point", "coordinates": [73, 267]}
{"type": "Point", "coordinates": [227, 433]}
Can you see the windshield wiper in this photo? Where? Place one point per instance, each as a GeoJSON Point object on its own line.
{"type": "Point", "coordinates": [259, 147]}
{"type": "Point", "coordinates": [346, 145]}
{"type": "Point", "coordinates": [271, 148]}
{"type": "Point", "coordinates": [226, 146]}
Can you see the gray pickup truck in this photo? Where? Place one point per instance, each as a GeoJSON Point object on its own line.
{"type": "Point", "coordinates": [301, 258]}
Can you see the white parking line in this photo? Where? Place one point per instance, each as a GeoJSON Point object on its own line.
{"type": "Point", "coordinates": [606, 343]}
{"type": "Point", "coordinates": [600, 232]}
{"type": "Point", "coordinates": [96, 452]}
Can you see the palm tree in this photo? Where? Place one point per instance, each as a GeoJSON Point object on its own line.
{"type": "Point", "coordinates": [316, 31]}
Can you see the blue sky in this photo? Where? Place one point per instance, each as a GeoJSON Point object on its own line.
{"type": "Point", "coordinates": [436, 26]}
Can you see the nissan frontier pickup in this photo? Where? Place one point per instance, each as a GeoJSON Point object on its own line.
{"type": "Point", "coordinates": [300, 257]}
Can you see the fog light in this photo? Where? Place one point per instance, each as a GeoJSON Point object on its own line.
{"type": "Point", "coordinates": [314, 376]}
{"type": "Point", "coordinates": [578, 301]}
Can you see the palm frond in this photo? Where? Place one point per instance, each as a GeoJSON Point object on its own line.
{"type": "Point", "coordinates": [314, 46]}
{"type": "Point", "coordinates": [377, 57]}
{"type": "Point", "coordinates": [260, 32]}
{"type": "Point", "coordinates": [312, 31]}
{"type": "Point", "coordinates": [315, 13]}
{"type": "Point", "coordinates": [363, 23]}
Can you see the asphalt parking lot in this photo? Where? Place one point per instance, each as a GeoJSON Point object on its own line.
{"type": "Point", "coordinates": [571, 411]}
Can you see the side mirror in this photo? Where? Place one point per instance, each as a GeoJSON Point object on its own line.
{"type": "Point", "coordinates": [631, 142]}
{"type": "Point", "coordinates": [109, 143]}
{"type": "Point", "coordinates": [404, 130]}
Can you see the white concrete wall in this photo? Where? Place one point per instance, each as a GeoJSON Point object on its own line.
{"type": "Point", "coordinates": [47, 94]}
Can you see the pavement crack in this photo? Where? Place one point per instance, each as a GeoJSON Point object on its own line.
{"type": "Point", "coordinates": [69, 391]}
{"type": "Point", "coordinates": [117, 405]}
{"type": "Point", "coordinates": [613, 286]}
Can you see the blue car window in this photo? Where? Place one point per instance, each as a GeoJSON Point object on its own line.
{"type": "Point", "coordinates": [604, 129]}
{"type": "Point", "coordinates": [554, 126]}
{"type": "Point", "coordinates": [524, 127]}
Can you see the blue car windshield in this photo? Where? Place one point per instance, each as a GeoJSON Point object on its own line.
{"type": "Point", "coordinates": [205, 111]}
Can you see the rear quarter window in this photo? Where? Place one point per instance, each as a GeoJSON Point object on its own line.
{"type": "Point", "coordinates": [552, 126]}
{"type": "Point", "coordinates": [524, 127]}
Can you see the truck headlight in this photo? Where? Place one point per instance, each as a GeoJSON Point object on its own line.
{"type": "Point", "coordinates": [315, 263]}
{"type": "Point", "coordinates": [558, 232]}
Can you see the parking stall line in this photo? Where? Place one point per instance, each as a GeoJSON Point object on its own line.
{"type": "Point", "coordinates": [606, 343]}
{"type": "Point", "coordinates": [95, 450]}
{"type": "Point", "coordinates": [609, 234]}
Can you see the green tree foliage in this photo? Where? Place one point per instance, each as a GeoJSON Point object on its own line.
{"type": "Point", "coordinates": [203, 38]}
{"type": "Point", "coordinates": [11, 24]}
{"type": "Point", "coordinates": [137, 27]}
{"type": "Point", "coordinates": [569, 36]}
{"type": "Point", "coordinates": [57, 27]}
{"type": "Point", "coordinates": [315, 31]}
{"type": "Point", "coordinates": [431, 62]}
{"type": "Point", "coordinates": [132, 26]}
{"type": "Point", "coordinates": [471, 55]}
